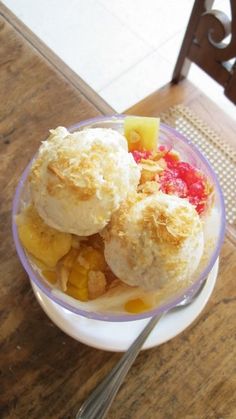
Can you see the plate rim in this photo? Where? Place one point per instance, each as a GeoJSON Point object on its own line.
{"type": "Point", "coordinates": [52, 311]}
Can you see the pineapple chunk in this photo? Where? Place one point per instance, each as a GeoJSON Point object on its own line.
{"type": "Point", "coordinates": [141, 132]}
{"type": "Point", "coordinates": [43, 242]}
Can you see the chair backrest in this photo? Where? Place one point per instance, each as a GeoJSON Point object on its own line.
{"type": "Point", "coordinates": [204, 45]}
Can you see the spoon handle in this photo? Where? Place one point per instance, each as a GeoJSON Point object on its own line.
{"type": "Point", "coordinates": [98, 403]}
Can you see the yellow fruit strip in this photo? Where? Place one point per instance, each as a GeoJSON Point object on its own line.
{"type": "Point", "coordinates": [43, 242]}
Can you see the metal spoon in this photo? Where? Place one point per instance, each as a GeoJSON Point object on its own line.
{"type": "Point", "coordinates": [98, 403]}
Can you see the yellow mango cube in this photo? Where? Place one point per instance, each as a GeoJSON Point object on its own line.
{"type": "Point", "coordinates": [136, 306]}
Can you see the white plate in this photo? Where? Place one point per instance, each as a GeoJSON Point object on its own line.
{"type": "Point", "coordinates": [118, 336]}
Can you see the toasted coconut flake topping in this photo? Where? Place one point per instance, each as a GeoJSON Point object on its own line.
{"type": "Point", "coordinates": [149, 188]}
{"type": "Point", "coordinates": [170, 226]}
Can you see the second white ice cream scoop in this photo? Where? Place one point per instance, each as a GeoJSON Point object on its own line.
{"type": "Point", "coordinates": [154, 239]}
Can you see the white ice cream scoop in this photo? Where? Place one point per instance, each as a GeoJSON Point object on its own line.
{"type": "Point", "coordinates": [78, 180]}
{"type": "Point", "coordinates": [154, 239]}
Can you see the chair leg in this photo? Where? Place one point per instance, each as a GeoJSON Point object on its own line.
{"type": "Point", "coordinates": [183, 63]}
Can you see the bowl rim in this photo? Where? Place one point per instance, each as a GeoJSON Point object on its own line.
{"type": "Point", "coordinates": [119, 317]}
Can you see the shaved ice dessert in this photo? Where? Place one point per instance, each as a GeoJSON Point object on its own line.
{"type": "Point", "coordinates": [118, 219]}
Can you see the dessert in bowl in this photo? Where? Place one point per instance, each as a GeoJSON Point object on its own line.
{"type": "Point", "coordinates": [118, 219]}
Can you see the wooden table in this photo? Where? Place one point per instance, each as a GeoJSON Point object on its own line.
{"type": "Point", "coordinates": [45, 373]}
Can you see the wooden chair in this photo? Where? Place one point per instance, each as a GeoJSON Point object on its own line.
{"type": "Point", "coordinates": [203, 45]}
{"type": "Point", "coordinates": [182, 104]}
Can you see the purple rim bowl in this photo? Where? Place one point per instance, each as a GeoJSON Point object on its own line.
{"type": "Point", "coordinates": [169, 136]}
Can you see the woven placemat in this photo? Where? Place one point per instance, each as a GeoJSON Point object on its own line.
{"type": "Point", "coordinates": [221, 156]}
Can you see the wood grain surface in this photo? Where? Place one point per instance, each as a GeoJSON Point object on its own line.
{"type": "Point", "coordinates": [45, 373]}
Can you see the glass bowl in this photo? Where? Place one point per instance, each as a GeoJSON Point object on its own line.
{"type": "Point", "coordinates": [188, 152]}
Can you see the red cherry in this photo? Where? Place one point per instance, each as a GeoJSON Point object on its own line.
{"type": "Point", "coordinates": [183, 168]}
{"type": "Point", "coordinates": [183, 180]}
{"type": "Point", "coordinates": [164, 148]}
{"type": "Point", "coordinates": [198, 202]}
{"type": "Point", "coordinates": [187, 173]}
{"type": "Point", "coordinates": [181, 188]}
{"type": "Point", "coordinates": [175, 186]}
{"type": "Point", "coordinates": [170, 160]}
{"type": "Point", "coordinates": [139, 155]}
{"type": "Point", "coordinates": [197, 189]}
{"type": "Point", "coordinates": [200, 208]}
{"type": "Point", "coordinates": [169, 174]}
{"type": "Point", "coordinates": [194, 200]}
